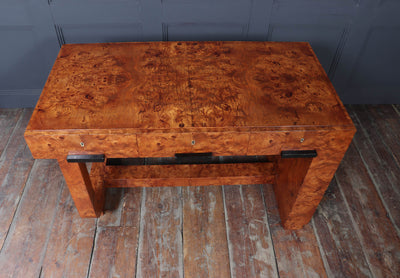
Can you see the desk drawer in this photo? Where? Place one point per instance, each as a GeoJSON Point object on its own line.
{"type": "Point", "coordinates": [56, 146]}
{"type": "Point", "coordinates": [163, 144]}
{"type": "Point", "coordinates": [272, 143]}
{"type": "Point", "coordinates": [221, 143]}
{"type": "Point", "coordinates": [168, 144]}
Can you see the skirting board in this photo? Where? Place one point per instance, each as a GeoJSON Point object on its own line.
{"type": "Point", "coordinates": [23, 98]}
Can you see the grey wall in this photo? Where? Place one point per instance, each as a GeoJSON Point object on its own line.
{"type": "Point", "coordinates": [357, 42]}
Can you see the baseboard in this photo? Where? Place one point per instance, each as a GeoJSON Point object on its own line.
{"type": "Point", "coordinates": [19, 98]}
{"type": "Point", "coordinates": [372, 95]}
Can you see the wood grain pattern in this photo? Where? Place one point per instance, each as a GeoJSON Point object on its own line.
{"type": "Point", "coordinates": [220, 144]}
{"type": "Point", "coordinates": [289, 179]}
{"type": "Point", "coordinates": [117, 235]}
{"type": "Point", "coordinates": [250, 245]}
{"type": "Point", "coordinates": [188, 174]}
{"type": "Point", "coordinates": [26, 243]}
{"type": "Point", "coordinates": [113, 208]}
{"type": "Point", "coordinates": [96, 178]}
{"type": "Point", "coordinates": [174, 85]}
{"type": "Point", "coordinates": [396, 107]}
{"type": "Point", "coordinates": [273, 142]}
{"type": "Point", "coordinates": [297, 253]}
{"type": "Point", "coordinates": [15, 165]}
{"type": "Point", "coordinates": [8, 121]}
{"type": "Point", "coordinates": [114, 253]}
{"type": "Point", "coordinates": [297, 211]}
{"type": "Point", "coordinates": [386, 121]}
{"type": "Point", "coordinates": [205, 246]}
{"type": "Point", "coordinates": [121, 208]}
{"type": "Point", "coordinates": [167, 144]}
{"type": "Point", "coordinates": [70, 243]}
{"type": "Point", "coordinates": [87, 196]}
{"type": "Point", "coordinates": [164, 144]}
{"type": "Point", "coordinates": [131, 207]}
{"type": "Point", "coordinates": [350, 221]}
{"type": "Point", "coordinates": [301, 183]}
{"type": "Point", "coordinates": [156, 99]}
{"type": "Point", "coordinates": [339, 244]}
{"type": "Point", "coordinates": [380, 160]}
{"type": "Point", "coordinates": [160, 247]}
{"type": "Point", "coordinates": [375, 229]}
{"type": "Point", "coordinates": [132, 88]}
{"type": "Point", "coordinates": [59, 146]}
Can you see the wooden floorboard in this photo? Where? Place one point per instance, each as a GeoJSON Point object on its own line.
{"type": "Point", "coordinates": [8, 121]}
{"type": "Point", "coordinates": [340, 246]}
{"type": "Point", "coordinates": [70, 245]}
{"type": "Point", "coordinates": [116, 242]}
{"type": "Point", "coordinates": [378, 158]}
{"type": "Point", "coordinates": [15, 165]}
{"type": "Point", "coordinates": [205, 246]}
{"type": "Point", "coordinates": [160, 240]}
{"type": "Point", "coordinates": [230, 231]}
{"type": "Point", "coordinates": [297, 252]}
{"type": "Point", "coordinates": [378, 235]}
{"type": "Point", "coordinates": [250, 245]}
{"type": "Point", "coordinates": [386, 122]}
{"type": "Point", "coordinates": [26, 242]}
{"type": "Point", "coordinates": [114, 252]}
{"type": "Point", "coordinates": [396, 107]}
{"type": "Point", "coordinates": [113, 208]}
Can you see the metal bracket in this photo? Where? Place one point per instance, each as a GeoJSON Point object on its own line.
{"type": "Point", "coordinates": [193, 158]}
{"type": "Point", "coordinates": [183, 155]}
{"type": "Point", "coordinates": [81, 158]}
{"type": "Point", "coordinates": [298, 154]}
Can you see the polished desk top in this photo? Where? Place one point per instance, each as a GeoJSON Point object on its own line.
{"type": "Point", "coordinates": [188, 86]}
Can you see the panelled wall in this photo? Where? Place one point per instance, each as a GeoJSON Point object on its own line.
{"type": "Point", "coordinates": [357, 42]}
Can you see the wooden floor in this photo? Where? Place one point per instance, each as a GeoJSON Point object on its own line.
{"type": "Point", "coordinates": [230, 231]}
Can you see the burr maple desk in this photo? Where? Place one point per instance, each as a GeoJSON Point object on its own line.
{"type": "Point", "coordinates": [151, 101]}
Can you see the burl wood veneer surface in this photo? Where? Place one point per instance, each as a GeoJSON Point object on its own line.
{"type": "Point", "coordinates": [186, 86]}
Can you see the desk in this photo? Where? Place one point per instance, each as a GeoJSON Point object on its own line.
{"type": "Point", "coordinates": [173, 99]}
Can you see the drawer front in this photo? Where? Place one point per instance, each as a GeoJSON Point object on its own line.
{"type": "Point", "coordinates": [272, 143]}
{"type": "Point", "coordinates": [164, 144]}
{"type": "Point", "coordinates": [57, 146]}
{"type": "Point", "coordinates": [221, 143]}
{"type": "Point", "coordinates": [168, 144]}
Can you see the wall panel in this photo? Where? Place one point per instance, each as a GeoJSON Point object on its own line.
{"type": "Point", "coordinates": [356, 41]}
{"type": "Point", "coordinates": [27, 51]}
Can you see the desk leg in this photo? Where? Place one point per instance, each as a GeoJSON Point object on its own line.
{"type": "Point", "coordinates": [87, 193]}
{"type": "Point", "coordinates": [300, 184]}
